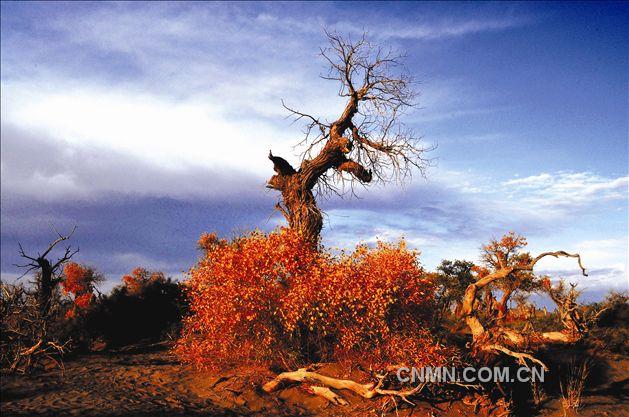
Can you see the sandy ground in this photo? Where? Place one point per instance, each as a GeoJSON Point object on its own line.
{"type": "Point", "coordinates": [154, 384]}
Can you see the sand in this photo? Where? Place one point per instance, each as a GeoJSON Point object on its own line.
{"type": "Point", "coordinates": [155, 384]}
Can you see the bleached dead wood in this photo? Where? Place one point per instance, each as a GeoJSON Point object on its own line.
{"type": "Point", "coordinates": [368, 390]}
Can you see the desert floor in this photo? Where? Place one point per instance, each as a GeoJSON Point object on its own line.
{"type": "Point", "coordinates": [153, 383]}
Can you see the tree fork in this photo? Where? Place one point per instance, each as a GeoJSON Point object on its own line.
{"type": "Point", "coordinates": [367, 141]}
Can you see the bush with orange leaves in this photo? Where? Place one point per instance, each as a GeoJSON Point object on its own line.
{"type": "Point", "coordinates": [139, 278]}
{"type": "Point", "coordinates": [79, 281]}
{"type": "Point", "coordinates": [275, 299]}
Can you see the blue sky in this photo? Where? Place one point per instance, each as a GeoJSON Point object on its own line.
{"type": "Point", "coordinates": [147, 124]}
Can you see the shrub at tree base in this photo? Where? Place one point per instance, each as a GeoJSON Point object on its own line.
{"type": "Point", "coordinates": [276, 299]}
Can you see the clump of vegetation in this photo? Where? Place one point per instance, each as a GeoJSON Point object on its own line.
{"type": "Point", "coordinates": [451, 280]}
{"type": "Point", "coordinates": [34, 336]}
{"type": "Point", "coordinates": [611, 331]}
{"type": "Point", "coordinates": [32, 317]}
{"type": "Point", "coordinates": [28, 339]}
{"type": "Point", "coordinates": [272, 298]}
{"type": "Point", "coordinates": [147, 307]}
{"type": "Point", "coordinates": [573, 385]}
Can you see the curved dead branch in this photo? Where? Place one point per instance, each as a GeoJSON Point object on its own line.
{"type": "Point", "coordinates": [483, 339]}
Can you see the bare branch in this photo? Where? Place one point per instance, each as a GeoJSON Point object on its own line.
{"type": "Point", "coordinates": [557, 254]}
{"type": "Point", "coordinates": [69, 253]}
{"type": "Point", "coordinates": [24, 255]}
{"type": "Point", "coordinates": [368, 140]}
{"type": "Point", "coordinates": [60, 239]}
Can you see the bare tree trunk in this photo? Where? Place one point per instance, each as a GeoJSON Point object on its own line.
{"type": "Point", "coordinates": [46, 284]}
{"type": "Point", "coordinates": [299, 206]}
{"type": "Point", "coordinates": [298, 202]}
{"type": "Point", "coordinates": [502, 306]}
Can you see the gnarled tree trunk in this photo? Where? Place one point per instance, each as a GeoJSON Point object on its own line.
{"type": "Point", "coordinates": [367, 140]}
{"type": "Point", "coordinates": [502, 306]}
{"type": "Point", "coordinates": [46, 285]}
{"type": "Point", "coordinates": [299, 205]}
{"type": "Point", "coordinates": [493, 339]}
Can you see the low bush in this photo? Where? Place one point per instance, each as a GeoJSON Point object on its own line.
{"type": "Point", "coordinates": [275, 299]}
{"type": "Point", "coordinates": [147, 307]}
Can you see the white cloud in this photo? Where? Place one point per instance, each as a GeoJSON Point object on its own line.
{"type": "Point", "coordinates": [166, 133]}
{"type": "Point", "coordinates": [561, 192]}
{"type": "Point", "coordinates": [448, 28]}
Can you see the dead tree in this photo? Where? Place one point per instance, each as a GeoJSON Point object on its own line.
{"type": "Point", "coordinates": [500, 339]}
{"type": "Point", "coordinates": [47, 271]}
{"type": "Point", "coordinates": [575, 321]}
{"type": "Point", "coordinates": [366, 143]}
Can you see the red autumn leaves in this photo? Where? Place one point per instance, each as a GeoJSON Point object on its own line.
{"type": "Point", "coordinates": [79, 282]}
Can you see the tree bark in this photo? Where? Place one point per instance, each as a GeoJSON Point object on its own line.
{"type": "Point", "coordinates": [502, 306]}
{"type": "Point", "coordinates": [299, 205]}
{"type": "Point", "coordinates": [46, 285]}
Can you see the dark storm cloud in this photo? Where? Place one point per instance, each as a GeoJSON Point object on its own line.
{"type": "Point", "coordinates": [128, 212]}
{"type": "Point", "coordinates": [120, 232]}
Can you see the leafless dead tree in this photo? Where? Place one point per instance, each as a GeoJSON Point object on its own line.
{"type": "Point", "coordinates": [368, 142]}
{"type": "Point", "coordinates": [29, 314]}
{"type": "Point", "coordinates": [47, 277]}
{"type": "Point", "coordinates": [575, 320]}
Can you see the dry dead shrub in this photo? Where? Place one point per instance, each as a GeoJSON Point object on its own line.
{"type": "Point", "coordinates": [573, 385]}
{"type": "Point", "coordinates": [27, 338]}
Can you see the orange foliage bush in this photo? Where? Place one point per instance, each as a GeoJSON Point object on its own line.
{"type": "Point", "coordinates": [79, 281]}
{"type": "Point", "coordinates": [140, 277]}
{"type": "Point", "coordinates": [270, 298]}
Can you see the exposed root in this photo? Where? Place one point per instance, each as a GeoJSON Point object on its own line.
{"type": "Point", "coordinates": [368, 390]}
{"type": "Point", "coordinates": [520, 356]}
{"type": "Point", "coordinates": [329, 395]}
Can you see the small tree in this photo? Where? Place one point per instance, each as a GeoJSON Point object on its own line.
{"type": "Point", "coordinates": [503, 253]}
{"type": "Point", "coordinates": [79, 281]}
{"type": "Point", "coordinates": [451, 280]}
{"type": "Point", "coordinates": [139, 278]}
{"type": "Point", "coordinates": [366, 142]}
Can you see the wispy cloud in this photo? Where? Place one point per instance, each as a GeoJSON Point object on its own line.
{"type": "Point", "coordinates": [556, 194]}
{"type": "Point", "coordinates": [449, 28]}
{"type": "Point", "coordinates": [453, 214]}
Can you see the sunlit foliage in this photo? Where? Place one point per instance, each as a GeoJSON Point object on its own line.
{"type": "Point", "coordinates": [139, 278]}
{"type": "Point", "coordinates": [78, 282]}
{"type": "Point", "coordinates": [274, 298]}
{"type": "Point", "coordinates": [508, 252]}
